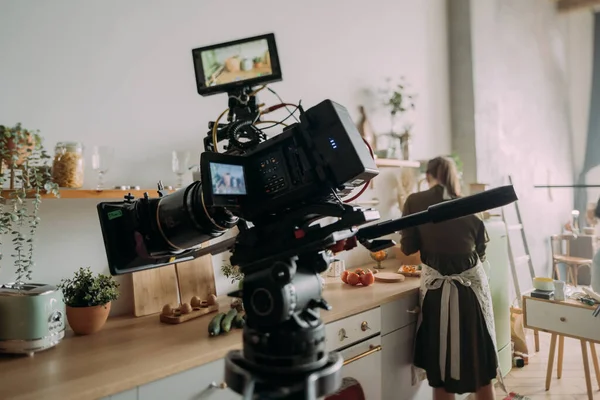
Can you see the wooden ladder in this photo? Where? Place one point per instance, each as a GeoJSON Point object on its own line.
{"type": "Point", "coordinates": [516, 261]}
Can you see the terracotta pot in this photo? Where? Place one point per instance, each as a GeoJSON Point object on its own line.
{"type": "Point", "coordinates": [87, 320]}
{"type": "Point", "coordinates": [232, 64]}
{"type": "Point", "coordinates": [25, 148]}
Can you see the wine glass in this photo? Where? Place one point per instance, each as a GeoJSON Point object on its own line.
{"type": "Point", "coordinates": [102, 159]}
{"type": "Point", "coordinates": [179, 163]}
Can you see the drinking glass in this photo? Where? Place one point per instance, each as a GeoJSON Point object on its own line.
{"type": "Point", "coordinates": [179, 162]}
{"type": "Point", "coordinates": [102, 158]}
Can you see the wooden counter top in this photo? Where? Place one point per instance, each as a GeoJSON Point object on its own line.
{"type": "Point", "coordinates": [130, 351]}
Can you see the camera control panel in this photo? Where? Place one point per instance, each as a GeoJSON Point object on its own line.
{"type": "Point", "coordinates": [273, 174]}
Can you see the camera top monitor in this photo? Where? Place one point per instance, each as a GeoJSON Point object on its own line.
{"type": "Point", "coordinates": [224, 67]}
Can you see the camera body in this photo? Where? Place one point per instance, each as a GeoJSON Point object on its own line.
{"type": "Point", "coordinates": [307, 162]}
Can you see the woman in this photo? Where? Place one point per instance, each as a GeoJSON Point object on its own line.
{"type": "Point", "coordinates": [455, 342]}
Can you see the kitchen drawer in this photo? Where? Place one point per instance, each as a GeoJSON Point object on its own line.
{"type": "Point", "coordinates": [200, 383]}
{"type": "Point", "coordinates": [352, 329]}
{"type": "Point", "coordinates": [399, 313]}
{"type": "Point", "coordinates": [569, 320]}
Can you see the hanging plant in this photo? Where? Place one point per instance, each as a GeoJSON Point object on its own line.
{"type": "Point", "coordinates": [23, 168]}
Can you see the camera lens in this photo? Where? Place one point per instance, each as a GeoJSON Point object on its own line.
{"type": "Point", "coordinates": [184, 221]}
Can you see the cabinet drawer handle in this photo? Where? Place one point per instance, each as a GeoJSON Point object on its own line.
{"type": "Point", "coordinates": [562, 319]}
{"type": "Point", "coordinates": [374, 349]}
{"type": "Point", "coordinates": [215, 385]}
{"type": "Point", "coordinates": [416, 310]}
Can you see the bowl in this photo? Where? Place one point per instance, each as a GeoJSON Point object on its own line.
{"type": "Point", "coordinates": [543, 283]}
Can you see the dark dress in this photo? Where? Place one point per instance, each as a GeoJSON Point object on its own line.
{"type": "Point", "coordinates": [451, 247]}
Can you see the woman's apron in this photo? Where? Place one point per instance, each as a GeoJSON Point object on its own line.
{"type": "Point", "coordinates": [474, 278]}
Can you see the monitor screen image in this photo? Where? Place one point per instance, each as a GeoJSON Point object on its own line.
{"type": "Point", "coordinates": [235, 63]}
{"type": "Point", "coordinates": [227, 179]}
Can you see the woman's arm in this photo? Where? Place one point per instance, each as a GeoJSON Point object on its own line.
{"type": "Point", "coordinates": [410, 242]}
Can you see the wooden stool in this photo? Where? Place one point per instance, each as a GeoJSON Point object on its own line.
{"type": "Point", "coordinates": [586, 363]}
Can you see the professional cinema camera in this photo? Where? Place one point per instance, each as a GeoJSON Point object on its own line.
{"type": "Point", "coordinates": [286, 196]}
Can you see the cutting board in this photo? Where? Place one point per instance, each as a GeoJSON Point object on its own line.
{"type": "Point", "coordinates": [389, 277]}
{"type": "Point", "coordinates": [154, 288]}
{"type": "Point", "coordinates": [196, 278]}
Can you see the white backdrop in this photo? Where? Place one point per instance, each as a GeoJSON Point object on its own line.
{"type": "Point", "coordinates": [121, 73]}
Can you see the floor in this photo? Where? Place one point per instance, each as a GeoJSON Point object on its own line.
{"type": "Point", "coordinates": [531, 379]}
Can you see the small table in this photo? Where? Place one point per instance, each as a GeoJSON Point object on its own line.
{"type": "Point", "coordinates": [568, 318]}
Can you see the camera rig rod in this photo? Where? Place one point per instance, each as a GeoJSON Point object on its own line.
{"type": "Point", "coordinates": [239, 130]}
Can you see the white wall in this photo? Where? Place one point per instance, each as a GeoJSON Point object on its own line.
{"type": "Point", "coordinates": [581, 57]}
{"type": "Point", "coordinates": [121, 73]}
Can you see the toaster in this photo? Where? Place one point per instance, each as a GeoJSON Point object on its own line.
{"type": "Point", "coordinates": [32, 317]}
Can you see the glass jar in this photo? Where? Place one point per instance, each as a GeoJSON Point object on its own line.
{"type": "Point", "coordinates": [67, 168]}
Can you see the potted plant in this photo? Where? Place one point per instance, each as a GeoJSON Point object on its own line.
{"type": "Point", "coordinates": [234, 273]}
{"type": "Point", "coordinates": [257, 62]}
{"type": "Point", "coordinates": [23, 167]}
{"type": "Point", "coordinates": [88, 299]}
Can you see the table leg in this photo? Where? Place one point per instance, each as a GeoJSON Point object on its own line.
{"type": "Point", "coordinates": [559, 363]}
{"type": "Point", "coordinates": [536, 339]}
{"type": "Point", "coordinates": [595, 361]}
{"type": "Point", "coordinates": [586, 369]}
{"type": "Point", "coordinates": [550, 360]}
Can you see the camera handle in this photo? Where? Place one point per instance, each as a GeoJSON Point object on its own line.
{"type": "Point", "coordinates": [242, 113]}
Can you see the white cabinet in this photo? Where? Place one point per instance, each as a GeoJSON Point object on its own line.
{"type": "Point", "coordinates": [397, 361]}
{"type": "Point", "coordinates": [400, 313]}
{"type": "Point", "coordinates": [200, 383]}
{"type": "Point", "coordinates": [127, 395]}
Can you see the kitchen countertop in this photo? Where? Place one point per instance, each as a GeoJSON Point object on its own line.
{"type": "Point", "coordinates": [130, 352]}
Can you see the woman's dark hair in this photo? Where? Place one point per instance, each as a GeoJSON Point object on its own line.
{"type": "Point", "coordinates": [444, 170]}
{"type": "Point", "coordinates": [597, 212]}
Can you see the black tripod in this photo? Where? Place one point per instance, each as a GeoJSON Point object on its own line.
{"type": "Point", "coordinates": [284, 354]}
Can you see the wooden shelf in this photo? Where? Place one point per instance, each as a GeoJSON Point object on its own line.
{"type": "Point", "coordinates": [91, 193]}
{"type": "Point", "coordinates": [389, 162]}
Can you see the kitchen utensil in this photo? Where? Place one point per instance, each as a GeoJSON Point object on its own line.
{"type": "Point", "coordinates": [178, 318]}
{"type": "Point", "coordinates": [32, 317]}
{"type": "Point", "coordinates": [153, 288]}
{"type": "Point", "coordinates": [179, 164]}
{"type": "Point", "coordinates": [559, 290]}
{"type": "Point", "coordinates": [336, 268]}
{"type": "Point", "coordinates": [543, 283]}
{"type": "Point", "coordinates": [389, 277]}
{"type": "Point", "coordinates": [102, 158]}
